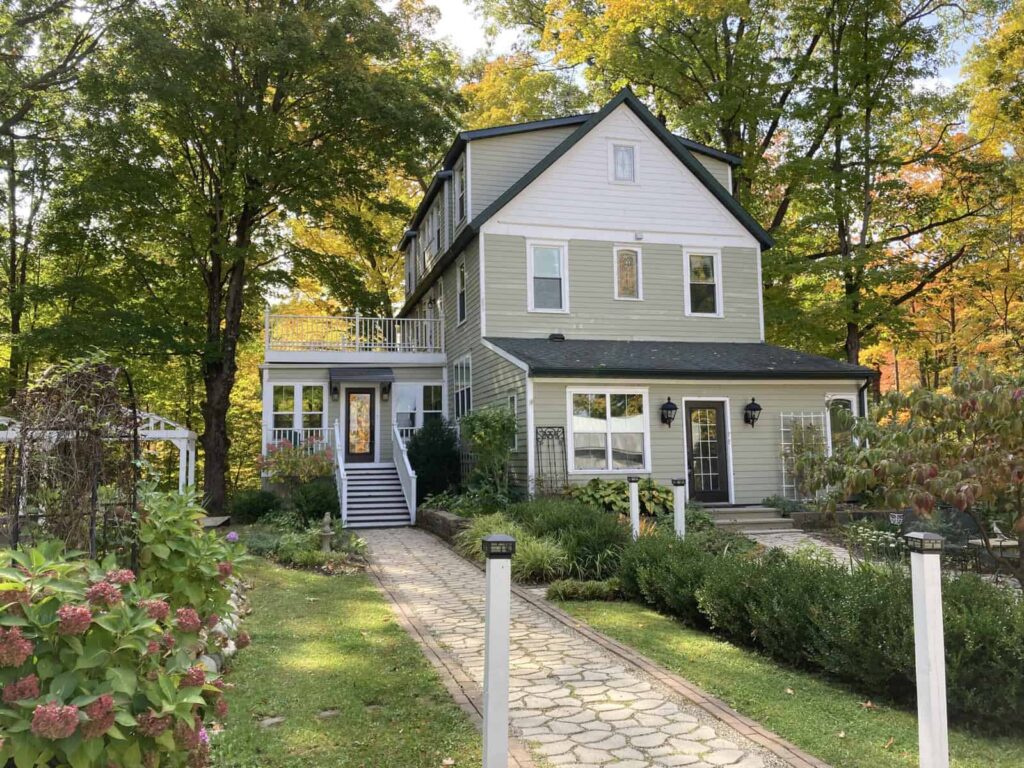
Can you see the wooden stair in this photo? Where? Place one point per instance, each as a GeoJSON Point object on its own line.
{"type": "Point", "coordinates": [375, 498]}
{"type": "Point", "coordinates": [752, 518]}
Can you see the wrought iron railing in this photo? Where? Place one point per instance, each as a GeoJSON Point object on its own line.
{"type": "Point", "coordinates": [304, 333]}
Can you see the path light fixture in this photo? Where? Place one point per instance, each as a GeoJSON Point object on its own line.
{"type": "Point", "coordinates": [668, 412]}
{"type": "Point", "coordinates": [498, 549]}
{"type": "Point", "coordinates": [751, 412]}
{"type": "Point", "coordinates": [929, 647]}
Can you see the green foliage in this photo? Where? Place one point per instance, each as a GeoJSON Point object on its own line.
{"type": "Point", "coordinates": [311, 500]}
{"type": "Point", "coordinates": [785, 506]}
{"type": "Point", "coordinates": [613, 496]}
{"type": "Point", "coordinates": [469, 503]}
{"type": "Point", "coordinates": [434, 455]}
{"type": "Point", "coordinates": [250, 506]}
{"type": "Point", "coordinates": [809, 611]}
{"type": "Point", "coordinates": [287, 463]}
{"type": "Point", "coordinates": [301, 547]}
{"type": "Point", "coordinates": [489, 433]}
{"type": "Point", "coordinates": [536, 559]}
{"type": "Point", "coordinates": [180, 559]}
{"type": "Point", "coordinates": [574, 589]}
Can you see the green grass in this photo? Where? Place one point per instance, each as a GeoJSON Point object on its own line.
{"type": "Point", "coordinates": [324, 643]}
{"type": "Point", "coordinates": [823, 718]}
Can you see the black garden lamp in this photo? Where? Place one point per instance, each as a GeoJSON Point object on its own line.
{"type": "Point", "coordinates": [751, 412]}
{"type": "Point", "coordinates": [924, 542]}
{"type": "Point", "coordinates": [498, 546]}
{"type": "Point", "coordinates": [668, 412]}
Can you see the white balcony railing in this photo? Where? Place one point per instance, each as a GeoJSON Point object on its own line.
{"type": "Point", "coordinates": [312, 440]}
{"type": "Point", "coordinates": [302, 333]}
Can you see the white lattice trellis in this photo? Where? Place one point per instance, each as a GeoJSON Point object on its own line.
{"type": "Point", "coordinates": [792, 425]}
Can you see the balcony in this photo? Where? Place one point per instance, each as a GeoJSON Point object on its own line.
{"type": "Point", "coordinates": [355, 339]}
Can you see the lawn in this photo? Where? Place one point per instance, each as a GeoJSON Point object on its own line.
{"type": "Point", "coordinates": [823, 718]}
{"type": "Point", "coordinates": [332, 643]}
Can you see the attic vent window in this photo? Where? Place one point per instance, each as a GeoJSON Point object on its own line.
{"type": "Point", "coordinates": [624, 163]}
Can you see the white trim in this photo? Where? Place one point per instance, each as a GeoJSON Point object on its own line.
{"type": "Point", "coordinates": [297, 411]}
{"type": "Point", "coordinates": [599, 389]}
{"type": "Point", "coordinates": [268, 409]}
{"type": "Point", "coordinates": [531, 448]}
{"type": "Point", "coordinates": [563, 246]}
{"type": "Point", "coordinates": [760, 294]}
{"type": "Point", "coordinates": [513, 395]}
{"type": "Point", "coordinates": [461, 294]}
{"type": "Point", "coordinates": [728, 443]}
{"type": "Point", "coordinates": [635, 146]}
{"type": "Point", "coordinates": [456, 186]}
{"type": "Point", "coordinates": [469, 182]}
{"type": "Point", "coordinates": [716, 255]}
{"type": "Point", "coordinates": [854, 408]}
{"type": "Point", "coordinates": [505, 355]}
{"type": "Point", "coordinates": [639, 272]}
{"type": "Point", "coordinates": [483, 295]}
{"type": "Point", "coordinates": [695, 238]}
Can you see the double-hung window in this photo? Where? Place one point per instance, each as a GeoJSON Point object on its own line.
{"type": "Point", "coordinates": [702, 275]}
{"type": "Point", "coordinates": [548, 289]}
{"type": "Point", "coordinates": [627, 274]}
{"type": "Point", "coordinates": [462, 386]}
{"type": "Point", "coordinates": [460, 278]}
{"type": "Point", "coordinates": [460, 193]}
{"type": "Point", "coordinates": [609, 430]}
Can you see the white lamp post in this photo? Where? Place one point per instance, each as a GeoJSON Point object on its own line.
{"type": "Point", "coordinates": [634, 505]}
{"type": "Point", "coordinates": [498, 550]}
{"type": "Point", "coordinates": [929, 648]}
{"type": "Point", "coordinates": [679, 506]}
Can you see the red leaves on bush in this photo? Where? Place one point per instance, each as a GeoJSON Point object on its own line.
{"type": "Point", "coordinates": [14, 648]}
{"type": "Point", "coordinates": [54, 721]}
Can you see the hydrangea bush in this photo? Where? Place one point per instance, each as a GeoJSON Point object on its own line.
{"type": "Point", "coordinates": [98, 665]}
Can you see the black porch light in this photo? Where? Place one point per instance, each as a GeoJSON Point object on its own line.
{"type": "Point", "coordinates": [751, 412]}
{"type": "Point", "coordinates": [668, 412]}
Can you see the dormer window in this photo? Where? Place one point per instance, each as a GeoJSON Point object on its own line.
{"type": "Point", "coordinates": [623, 163]}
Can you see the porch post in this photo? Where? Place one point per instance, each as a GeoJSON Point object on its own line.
{"type": "Point", "coordinates": [192, 462]}
{"type": "Point", "coordinates": [929, 648]}
{"type": "Point", "coordinates": [182, 464]}
{"type": "Point", "coordinates": [634, 505]}
{"type": "Point", "coordinates": [679, 506]}
{"type": "Point", "coordinates": [498, 550]}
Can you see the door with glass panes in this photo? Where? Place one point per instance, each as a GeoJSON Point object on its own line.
{"type": "Point", "coordinates": [417, 404]}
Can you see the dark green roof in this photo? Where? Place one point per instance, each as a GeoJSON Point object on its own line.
{"type": "Point", "coordinates": [673, 359]}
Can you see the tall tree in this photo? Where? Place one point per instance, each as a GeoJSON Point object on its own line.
{"type": "Point", "coordinates": [210, 122]}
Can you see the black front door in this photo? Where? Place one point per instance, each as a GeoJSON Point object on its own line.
{"type": "Point", "coordinates": [706, 450]}
{"type": "Point", "coordinates": [359, 425]}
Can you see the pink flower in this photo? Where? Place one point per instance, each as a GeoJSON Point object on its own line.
{"type": "Point", "coordinates": [188, 620]}
{"type": "Point", "coordinates": [54, 721]}
{"type": "Point", "coordinates": [224, 568]}
{"type": "Point", "coordinates": [243, 640]}
{"type": "Point", "coordinates": [168, 641]}
{"type": "Point", "coordinates": [195, 677]}
{"type": "Point", "coordinates": [122, 577]}
{"type": "Point", "coordinates": [152, 647]}
{"type": "Point", "coordinates": [103, 593]}
{"type": "Point", "coordinates": [14, 648]}
{"type": "Point", "coordinates": [74, 619]}
{"type": "Point", "coordinates": [155, 609]}
{"type": "Point", "coordinates": [101, 717]}
{"type": "Point", "coordinates": [151, 725]}
{"type": "Point", "coordinates": [26, 688]}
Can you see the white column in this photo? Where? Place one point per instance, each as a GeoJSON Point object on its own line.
{"type": "Point", "coordinates": [679, 506]}
{"type": "Point", "coordinates": [929, 648]}
{"type": "Point", "coordinates": [182, 464]}
{"type": "Point", "coordinates": [192, 463]}
{"type": "Point", "coordinates": [634, 505]}
{"type": "Point", "coordinates": [498, 550]}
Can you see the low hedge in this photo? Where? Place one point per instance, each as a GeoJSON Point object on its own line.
{"type": "Point", "coordinates": [856, 625]}
{"type": "Point", "coordinates": [574, 589]}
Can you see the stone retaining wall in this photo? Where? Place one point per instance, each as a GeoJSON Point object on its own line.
{"type": "Point", "coordinates": [440, 522]}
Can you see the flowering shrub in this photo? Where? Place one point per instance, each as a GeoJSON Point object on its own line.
{"type": "Point", "coordinates": [181, 560]}
{"type": "Point", "coordinates": [93, 670]}
{"type": "Point", "coordinates": [303, 462]}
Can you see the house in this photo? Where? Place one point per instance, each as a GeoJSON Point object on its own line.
{"type": "Point", "coordinates": [595, 275]}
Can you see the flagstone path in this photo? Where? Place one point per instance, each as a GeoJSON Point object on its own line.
{"type": "Point", "coordinates": [571, 700]}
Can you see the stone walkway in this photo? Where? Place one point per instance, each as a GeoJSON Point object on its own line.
{"type": "Point", "coordinates": [794, 540]}
{"type": "Point", "coordinates": [574, 703]}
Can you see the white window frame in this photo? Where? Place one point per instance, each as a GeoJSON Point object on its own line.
{"type": "Point", "coordinates": [461, 293]}
{"type": "Point", "coordinates": [297, 412]}
{"type": "Point", "coordinates": [635, 146]}
{"type": "Point", "coordinates": [563, 247]}
{"type": "Point", "coordinates": [854, 410]}
{"type": "Point", "coordinates": [512, 403]}
{"type": "Point", "coordinates": [639, 273]}
{"type": "Point", "coordinates": [570, 439]}
{"type": "Point", "coordinates": [458, 387]}
{"type": "Point", "coordinates": [460, 190]}
{"type": "Point", "coordinates": [716, 254]}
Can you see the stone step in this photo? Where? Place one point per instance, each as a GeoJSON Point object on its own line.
{"type": "Point", "coordinates": [756, 526]}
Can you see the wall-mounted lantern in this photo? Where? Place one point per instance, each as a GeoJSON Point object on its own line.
{"type": "Point", "coordinates": [751, 412]}
{"type": "Point", "coordinates": [385, 391]}
{"type": "Point", "coordinates": [668, 412]}
{"type": "Point", "coordinates": [335, 393]}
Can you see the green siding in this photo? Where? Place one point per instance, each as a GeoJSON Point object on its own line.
{"type": "Point", "coordinates": [756, 452]}
{"type": "Point", "coordinates": [494, 379]}
{"type": "Point", "coordinates": [595, 314]}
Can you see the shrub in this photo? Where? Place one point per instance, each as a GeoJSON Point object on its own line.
{"type": "Point", "coordinates": [467, 541]}
{"type": "Point", "coordinates": [469, 503]}
{"type": "Point", "coordinates": [538, 560]}
{"type": "Point", "coordinates": [251, 506]}
{"type": "Point", "coordinates": [434, 456]}
{"type": "Point", "coordinates": [574, 589]}
{"type": "Point", "coordinates": [613, 496]}
{"type": "Point", "coordinates": [785, 506]}
{"type": "Point", "coordinates": [311, 500]}
{"type": "Point", "coordinates": [285, 462]}
{"type": "Point", "coordinates": [489, 433]}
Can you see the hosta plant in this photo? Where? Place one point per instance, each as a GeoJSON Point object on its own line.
{"type": "Point", "coordinates": [96, 669]}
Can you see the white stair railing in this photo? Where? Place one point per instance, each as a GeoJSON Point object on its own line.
{"type": "Point", "coordinates": [405, 472]}
{"type": "Point", "coordinates": [341, 479]}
